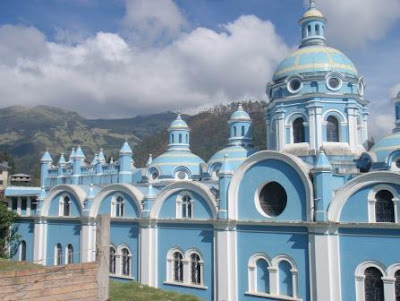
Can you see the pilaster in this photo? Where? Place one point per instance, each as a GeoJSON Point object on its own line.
{"type": "Point", "coordinates": [148, 259]}
{"type": "Point", "coordinates": [40, 241]}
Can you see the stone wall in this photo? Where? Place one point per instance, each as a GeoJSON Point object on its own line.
{"type": "Point", "coordinates": [69, 282]}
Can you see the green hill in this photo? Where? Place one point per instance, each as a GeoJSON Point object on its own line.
{"type": "Point", "coordinates": [26, 132]}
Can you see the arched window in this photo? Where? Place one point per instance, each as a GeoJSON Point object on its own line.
{"type": "Point", "coordinates": [180, 138]}
{"type": "Point", "coordinates": [262, 285]}
{"type": "Point", "coordinates": [67, 206]}
{"type": "Point", "coordinates": [187, 207]}
{"type": "Point", "coordinates": [126, 262]}
{"type": "Point", "coordinates": [58, 255]}
{"type": "Point", "coordinates": [243, 130]}
{"type": "Point", "coordinates": [308, 30]}
{"type": "Point", "coordinates": [285, 279]}
{"type": "Point", "coordinates": [187, 139]}
{"type": "Point", "coordinates": [178, 267]}
{"type": "Point", "coordinates": [298, 130]}
{"type": "Point", "coordinates": [69, 254]}
{"type": "Point", "coordinates": [397, 285]}
{"type": "Point", "coordinates": [234, 131]}
{"type": "Point", "coordinates": [120, 207]}
{"type": "Point", "coordinates": [373, 285]}
{"type": "Point", "coordinates": [384, 207]}
{"type": "Point", "coordinates": [332, 129]}
{"type": "Point", "coordinates": [195, 269]}
{"type": "Point", "coordinates": [22, 250]}
{"type": "Point", "coordinates": [112, 260]}
{"type": "Point", "coordinates": [317, 29]}
{"type": "Point", "coordinates": [173, 138]}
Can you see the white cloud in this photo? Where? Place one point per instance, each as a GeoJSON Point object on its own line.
{"type": "Point", "coordinates": [106, 76]}
{"type": "Point", "coordinates": [147, 22]}
{"type": "Point", "coordinates": [353, 23]}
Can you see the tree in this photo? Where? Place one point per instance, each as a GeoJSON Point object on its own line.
{"type": "Point", "coordinates": [8, 235]}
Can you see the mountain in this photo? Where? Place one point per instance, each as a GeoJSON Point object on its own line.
{"type": "Point", "coordinates": [26, 132]}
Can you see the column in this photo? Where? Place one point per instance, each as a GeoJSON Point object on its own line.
{"type": "Point", "coordinates": [352, 126]}
{"type": "Point", "coordinates": [40, 241]}
{"type": "Point", "coordinates": [19, 203]}
{"type": "Point", "coordinates": [280, 127]}
{"type": "Point", "coordinates": [28, 206]}
{"type": "Point", "coordinates": [225, 262]}
{"type": "Point", "coordinates": [325, 268]}
{"type": "Point", "coordinates": [273, 280]}
{"type": "Point", "coordinates": [88, 250]}
{"type": "Point", "coordinates": [311, 128]}
{"type": "Point", "coordinates": [148, 259]}
{"type": "Point", "coordinates": [389, 288]}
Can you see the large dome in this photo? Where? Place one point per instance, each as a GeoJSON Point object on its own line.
{"type": "Point", "coordinates": [384, 147]}
{"type": "Point", "coordinates": [314, 59]}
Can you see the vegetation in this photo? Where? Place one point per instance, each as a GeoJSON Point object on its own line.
{"type": "Point", "coordinates": [139, 292]}
{"type": "Point", "coordinates": [8, 234]}
{"type": "Point", "coordinates": [7, 265]}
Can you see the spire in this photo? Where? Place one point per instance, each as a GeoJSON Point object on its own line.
{"type": "Point", "coordinates": [72, 155]}
{"type": "Point", "coordinates": [226, 168]}
{"type": "Point", "coordinates": [149, 160]}
{"type": "Point", "coordinates": [125, 149]}
{"type": "Point", "coordinates": [43, 194]}
{"type": "Point", "coordinates": [95, 159]}
{"type": "Point", "coordinates": [46, 158]}
{"type": "Point", "coordinates": [79, 153]}
{"type": "Point", "coordinates": [312, 4]}
{"type": "Point", "coordinates": [101, 157]}
{"type": "Point", "coordinates": [61, 161]}
{"type": "Point", "coordinates": [322, 162]}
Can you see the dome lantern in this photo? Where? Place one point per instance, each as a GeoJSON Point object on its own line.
{"type": "Point", "coordinates": [240, 127]}
{"type": "Point", "coordinates": [313, 25]}
{"type": "Point", "coordinates": [178, 133]}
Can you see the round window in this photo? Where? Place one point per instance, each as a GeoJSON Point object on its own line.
{"type": "Point", "coordinates": [154, 175]}
{"type": "Point", "coordinates": [181, 175]}
{"type": "Point", "coordinates": [273, 199]}
{"type": "Point", "coordinates": [294, 85]}
{"type": "Point", "coordinates": [334, 83]}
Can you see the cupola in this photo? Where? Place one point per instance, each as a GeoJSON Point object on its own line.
{"type": "Point", "coordinates": [178, 133]}
{"type": "Point", "coordinates": [313, 26]}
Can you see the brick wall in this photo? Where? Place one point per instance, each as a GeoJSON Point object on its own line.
{"type": "Point", "coordinates": [70, 282]}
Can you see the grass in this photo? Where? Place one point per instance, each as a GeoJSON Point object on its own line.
{"type": "Point", "coordinates": [8, 265]}
{"type": "Point", "coordinates": [134, 291]}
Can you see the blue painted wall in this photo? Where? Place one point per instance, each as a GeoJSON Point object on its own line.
{"type": "Point", "coordinates": [25, 230]}
{"type": "Point", "coordinates": [130, 208]}
{"type": "Point", "coordinates": [268, 171]}
{"type": "Point", "coordinates": [273, 241]}
{"type": "Point", "coordinates": [186, 237]}
{"type": "Point", "coordinates": [54, 205]}
{"type": "Point", "coordinates": [63, 232]}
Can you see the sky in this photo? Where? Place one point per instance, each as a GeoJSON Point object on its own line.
{"type": "Point", "coordinates": [121, 58]}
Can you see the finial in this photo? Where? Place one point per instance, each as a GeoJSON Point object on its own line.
{"type": "Point", "coordinates": [178, 115]}
{"type": "Point", "coordinates": [312, 4]}
{"type": "Point", "coordinates": [239, 106]}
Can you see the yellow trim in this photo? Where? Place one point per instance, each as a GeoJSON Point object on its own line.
{"type": "Point", "coordinates": [174, 164]}
{"type": "Point", "coordinates": [174, 156]}
{"type": "Point", "coordinates": [314, 49]}
{"type": "Point", "coordinates": [318, 66]}
{"type": "Point", "coordinates": [229, 159]}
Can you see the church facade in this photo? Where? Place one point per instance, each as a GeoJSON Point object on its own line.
{"type": "Point", "coordinates": [315, 216]}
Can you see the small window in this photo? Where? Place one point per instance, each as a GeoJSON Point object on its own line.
{"type": "Point", "coordinates": [70, 254]}
{"type": "Point", "coordinates": [373, 285]}
{"type": "Point", "coordinates": [178, 267]}
{"type": "Point", "coordinates": [187, 207]}
{"type": "Point", "coordinates": [332, 129]}
{"type": "Point", "coordinates": [58, 255]}
{"type": "Point", "coordinates": [180, 138]}
{"type": "Point", "coordinates": [181, 175]}
{"type": "Point", "coordinates": [173, 138]}
{"type": "Point", "coordinates": [22, 250]}
{"type": "Point", "coordinates": [120, 207]}
{"type": "Point", "coordinates": [397, 285]}
{"type": "Point", "coordinates": [67, 206]}
{"type": "Point", "coordinates": [285, 279]}
{"type": "Point", "coordinates": [234, 131]}
{"type": "Point", "coordinates": [334, 83]}
{"type": "Point", "coordinates": [384, 207]}
{"type": "Point", "coordinates": [317, 29]}
{"type": "Point", "coordinates": [126, 262]}
{"type": "Point", "coordinates": [262, 276]}
{"type": "Point", "coordinates": [309, 30]}
{"type": "Point", "coordinates": [24, 204]}
{"type": "Point", "coordinates": [294, 85]}
{"type": "Point", "coordinates": [273, 199]}
{"type": "Point", "coordinates": [243, 131]}
{"type": "Point", "coordinates": [195, 269]}
{"type": "Point", "coordinates": [112, 260]}
{"type": "Point", "coordinates": [299, 131]}
{"type": "Point", "coordinates": [187, 139]}
{"type": "Point", "coordinates": [14, 203]}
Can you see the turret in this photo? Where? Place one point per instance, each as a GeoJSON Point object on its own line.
{"type": "Point", "coordinates": [101, 159]}
{"type": "Point", "coordinates": [178, 135]}
{"type": "Point", "coordinates": [322, 174]}
{"type": "Point", "coordinates": [60, 168]}
{"type": "Point", "coordinates": [240, 128]}
{"type": "Point", "coordinates": [45, 164]}
{"type": "Point", "coordinates": [313, 27]}
{"type": "Point", "coordinates": [225, 175]}
{"type": "Point", "coordinates": [125, 163]}
{"type": "Point", "coordinates": [396, 101]}
{"type": "Point", "coordinates": [77, 163]}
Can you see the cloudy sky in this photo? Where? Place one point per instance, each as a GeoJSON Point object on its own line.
{"type": "Point", "coordinates": [120, 58]}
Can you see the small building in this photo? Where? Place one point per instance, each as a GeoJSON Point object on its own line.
{"type": "Point", "coordinates": [20, 179]}
{"type": "Point", "coordinates": [3, 176]}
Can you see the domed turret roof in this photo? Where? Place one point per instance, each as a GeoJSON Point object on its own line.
{"type": "Point", "coordinates": [311, 13]}
{"type": "Point", "coordinates": [240, 114]}
{"type": "Point", "coordinates": [179, 123]}
{"type": "Point", "coordinates": [236, 155]}
{"type": "Point", "coordinates": [384, 147]}
{"type": "Point", "coordinates": [315, 59]}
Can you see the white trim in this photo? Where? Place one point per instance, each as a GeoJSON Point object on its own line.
{"type": "Point", "coordinates": [297, 164]}
{"type": "Point", "coordinates": [372, 178]}
{"type": "Point", "coordinates": [179, 205]}
{"type": "Point", "coordinates": [372, 201]}
{"type": "Point", "coordinates": [188, 254]}
{"type": "Point", "coordinates": [360, 277]}
{"type": "Point", "coordinates": [20, 250]}
{"type": "Point", "coordinates": [170, 265]}
{"type": "Point", "coordinates": [252, 271]}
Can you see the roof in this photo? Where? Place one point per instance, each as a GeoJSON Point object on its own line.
{"type": "Point", "coordinates": [385, 146]}
{"type": "Point", "coordinates": [313, 59]}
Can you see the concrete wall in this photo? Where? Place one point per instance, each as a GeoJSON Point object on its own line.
{"type": "Point", "coordinates": [70, 282]}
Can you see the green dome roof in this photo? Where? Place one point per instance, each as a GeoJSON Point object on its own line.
{"type": "Point", "coordinates": [313, 59]}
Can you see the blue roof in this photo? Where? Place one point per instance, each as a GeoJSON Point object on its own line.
{"type": "Point", "coordinates": [46, 157]}
{"type": "Point", "coordinates": [236, 155]}
{"type": "Point", "coordinates": [79, 153]}
{"type": "Point", "coordinates": [239, 114]}
{"type": "Point", "coordinates": [313, 59]}
{"type": "Point", "coordinates": [125, 149]}
{"type": "Point", "coordinates": [385, 146]}
{"type": "Point", "coordinates": [178, 123]}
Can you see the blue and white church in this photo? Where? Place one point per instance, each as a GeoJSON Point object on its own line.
{"type": "Point", "coordinates": [314, 216]}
